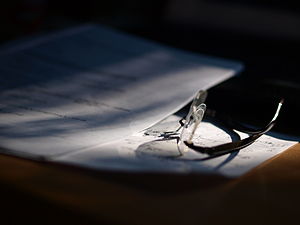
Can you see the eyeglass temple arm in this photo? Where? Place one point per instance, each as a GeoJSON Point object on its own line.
{"type": "Point", "coordinates": [226, 120]}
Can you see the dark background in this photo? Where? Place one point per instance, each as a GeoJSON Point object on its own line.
{"type": "Point", "coordinates": [264, 35]}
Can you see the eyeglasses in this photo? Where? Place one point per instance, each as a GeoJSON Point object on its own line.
{"type": "Point", "coordinates": [185, 133]}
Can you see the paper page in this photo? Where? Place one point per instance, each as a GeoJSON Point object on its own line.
{"type": "Point", "coordinates": [84, 87]}
{"type": "Point", "coordinates": [146, 152]}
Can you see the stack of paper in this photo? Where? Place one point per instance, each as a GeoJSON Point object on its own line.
{"type": "Point", "coordinates": [86, 95]}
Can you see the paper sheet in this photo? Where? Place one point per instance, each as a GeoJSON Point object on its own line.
{"type": "Point", "coordinates": [146, 152]}
{"type": "Point", "coordinates": [85, 87]}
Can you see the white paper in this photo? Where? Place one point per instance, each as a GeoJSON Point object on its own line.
{"type": "Point", "coordinates": [85, 87]}
{"type": "Point", "coordinates": [149, 153]}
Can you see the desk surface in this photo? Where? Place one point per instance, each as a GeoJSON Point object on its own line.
{"type": "Point", "coordinates": [42, 193]}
